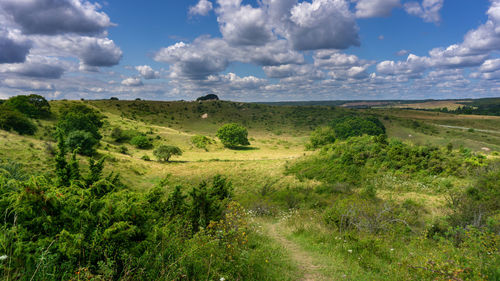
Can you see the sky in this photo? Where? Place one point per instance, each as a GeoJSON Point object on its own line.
{"type": "Point", "coordinates": [250, 50]}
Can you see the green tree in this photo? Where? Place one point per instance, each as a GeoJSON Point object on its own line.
{"type": "Point", "coordinates": [164, 152]}
{"type": "Point", "coordinates": [351, 126]}
{"type": "Point", "coordinates": [79, 117]}
{"type": "Point", "coordinates": [13, 120]}
{"type": "Point", "coordinates": [34, 106]}
{"type": "Point", "coordinates": [79, 126]}
{"type": "Point", "coordinates": [82, 141]}
{"type": "Point", "coordinates": [141, 141]}
{"type": "Point", "coordinates": [232, 135]}
{"type": "Point", "coordinates": [321, 136]}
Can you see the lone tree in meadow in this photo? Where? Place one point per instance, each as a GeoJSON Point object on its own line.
{"type": "Point", "coordinates": [164, 152]}
{"type": "Point", "coordinates": [232, 135]}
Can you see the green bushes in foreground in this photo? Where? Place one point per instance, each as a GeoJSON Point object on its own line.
{"type": "Point", "coordinates": [88, 226]}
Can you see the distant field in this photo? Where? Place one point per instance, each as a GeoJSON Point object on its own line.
{"type": "Point", "coordinates": [449, 104]}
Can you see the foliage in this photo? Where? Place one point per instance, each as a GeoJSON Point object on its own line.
{"type": "Point", "coordinates": [79, 126]}
{"type": "Point", "coordinates": [320, 137]}
{"type": "Point", "coordinates": [232, 135]}
{"type": "Point", "coordinates": [119, 135]}
{"type": "Point", "coordinates": [82, 141]}
{"type": "Point", "coordinates": [78, 117]}
{"type": "Point", "coordinates": [13, 120]}
{"type": "Point", "coordinates": [91, 226]}
{"type": "Point", "coordinates": [478, 205]}
{"type": "Point", "coordinates": [164, 152]}
{"type": "Point", "coordinates": [361, 158]}
{"type": "Point", "coordinates": [201, 141]}
{"type": "Point", "coordinates": [350, 126]}
{"type": "Point", "coordinates": [141, 141]}
{"type": "Point", "coordinates": [34, 106]}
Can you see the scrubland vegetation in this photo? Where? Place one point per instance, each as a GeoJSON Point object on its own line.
{"type": "Point", "coordinates": [138, 190]}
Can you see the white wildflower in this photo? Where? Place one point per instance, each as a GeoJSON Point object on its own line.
{"type": "Point", "coordinates": [350, 251]}
{"type": "Point", "coordinates": [222, 279]}
{"type": "Point", "coordinates": [392, 249]}
{"type": "Point", "coordinates": [4, 257]}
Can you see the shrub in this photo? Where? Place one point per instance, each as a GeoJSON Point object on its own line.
{"type": "Point", "coordinates": [34, 106]}
{"type": "Point", "coordinates": [359, 158]}
{"type": "Point", "coordinates": [146, 158]}
{"type": "Point", "coordinates": [82, 141]}
{"type": "Point", "coordinates": [141, 142]}
{"type": "Point", "coordinates": [350, 126]}
{"type": "Point", "coordinates": [164, 152]}
{"type": "Point", "coordinates": [200, 141]}
{"type": "Point", "coordinates": [232, 135]}
{"type": "Point", "coordinates": [320, 137]}
{"type": "Point", "coordinates": [79, 117]}
{"type": "Point", "coordinates": [13, 120]}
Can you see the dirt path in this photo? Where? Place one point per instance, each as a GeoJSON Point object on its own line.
{"type": "Point", "coordinates": [302, 258]}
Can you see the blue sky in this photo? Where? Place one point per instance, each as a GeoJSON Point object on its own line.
{"type": "Point", "coordinates": [267, 50]}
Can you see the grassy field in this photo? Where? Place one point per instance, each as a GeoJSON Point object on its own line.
{"type": "Point", "coordinates": [283, 209]}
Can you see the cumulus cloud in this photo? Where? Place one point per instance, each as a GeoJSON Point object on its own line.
{"type": "Point", "coordinates": [202, 8]}
{"type": "Point", "coordinates": [490, 65]}
{"type": "Point", "coordinates": [375, 8]}
{"type": "Point", "coordinates": [322, 24]}
{"type": "Point", "coordinates": [428, 10]}
{"type": "Point", "coordinates": [147, 72]}
{"type": "Point", "coordinates": [37, 67]}
{"type": "Point", "coordinates": [13, 50]}
{"type": "Point", "coordinates": [132, 82]}
{"type": "Point", "coordinates": [56, 16]}
{"type": "Point", "coordinates": [243, 25]}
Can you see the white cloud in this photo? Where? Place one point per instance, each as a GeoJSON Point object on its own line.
{"type": "Point", "coordinates": [37, 67]}
{"type": "Point", "coordinates": [428, 10]}
{"type": "Point", "coordinates": [132, 82]}
{"type": "Point", "coordinates": [402, 53]}
{"type": "Point", "coordinates": [147, 72]}
{"type": "Point", "coordinates": [202, 8]}
{"type": "Point", "coordinates": [322, 24]}
{"type": "Point", "coordinates": [52, 17]}
{"type": "Point", "coordinates": [375, 8]}
{"type": "Point", "coordinates": [243, 25]}
{"type": "Point", "coordinates": [490, 65]}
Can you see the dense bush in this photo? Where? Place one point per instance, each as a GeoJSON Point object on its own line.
{"type": "Point", "coordinates": [164, 152]}
{"type": "Point", "coordinates": [34, 106]}
{"type": "Point", "coordinates": [200, 141]}
{"type": "Point", "coordinates": [361, 158]}
{"type": "Point", "coordinates": [13, 120]}
{"type": "Point", "coordinates": [92, 227]}
{"type": "Point", "coordinates": [119, 135]}
{"type": "Point", "coordinates": [141, 142]}
{"type": "Point", "coordinates": [350, 126]}
{"type": "Point", "coordinates": [79, 126]}
{"type": "Point", "coordinates": [232, 135]}
{"type": "Point", "coordinates": [478, 205]}
{"type": "Point", "coordinates": [78, 117]}
{"type": "Point", "coordinates": [320, 137]}
{"type": "Point", "coordinates": [84, 142]}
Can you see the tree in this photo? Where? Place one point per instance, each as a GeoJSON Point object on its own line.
{"type": "Point", "coordinates": [350, 126]}
{"type": "Point", "coordinates": [34, 106]}
{"type": "Point", "coordinates": [82, 141]}
{"type": "Point", "coordinates": [14, 120]}
{"type": "Point", "coordinates": [141, 141]}
{"type": "Point", "coordinates": [321, 136]}
{"type": "Point", "coordinates": [164, 152]}
{"type": "Point", "coordinates": [79, 117]}
{"type": "Point", "coordinates": [232, 135]}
